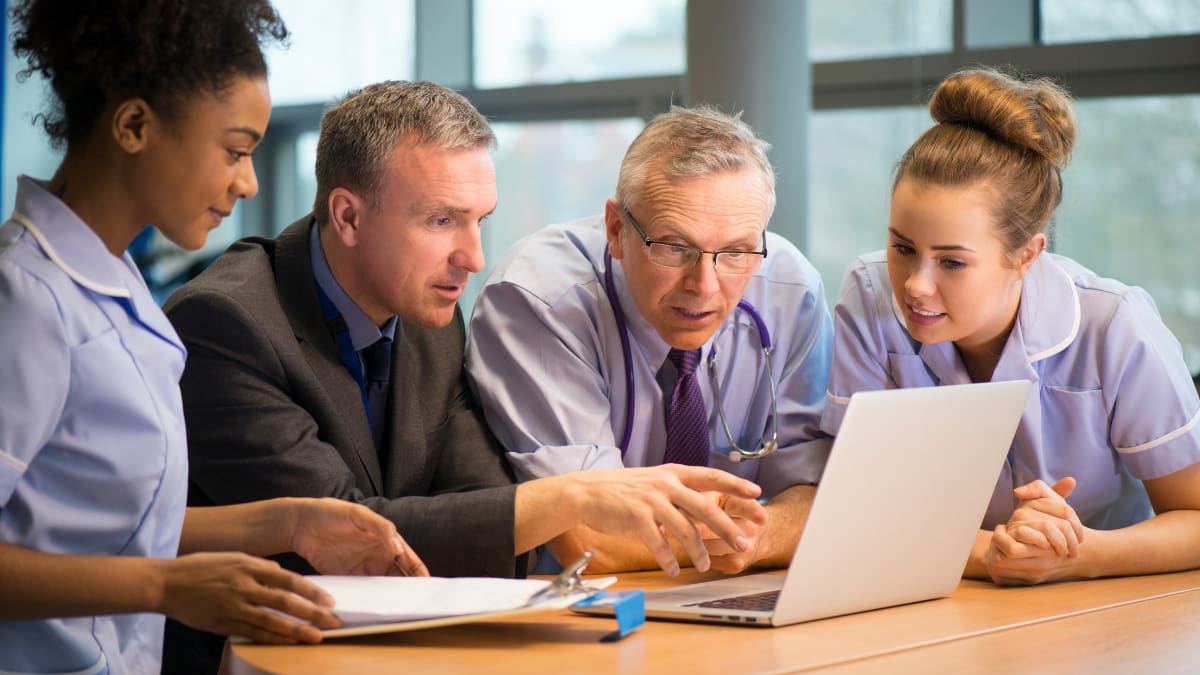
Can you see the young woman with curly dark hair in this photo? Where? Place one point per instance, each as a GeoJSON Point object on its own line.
{"type": "Point", "coordinates": [159, 105]}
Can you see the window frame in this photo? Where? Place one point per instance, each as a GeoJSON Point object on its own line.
{"type": "Point", "coordinates": [1152, 66]}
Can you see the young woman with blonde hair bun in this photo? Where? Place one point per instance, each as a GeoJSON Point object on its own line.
{"type": "Point", "coordinates": [1103, 477]}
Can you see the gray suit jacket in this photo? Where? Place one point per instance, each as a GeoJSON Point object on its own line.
{"type": "Point", "coordinates": [271, 411]}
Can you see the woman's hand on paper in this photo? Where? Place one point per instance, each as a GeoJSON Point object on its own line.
{"type": "Point", "coordinates": [239, 594]}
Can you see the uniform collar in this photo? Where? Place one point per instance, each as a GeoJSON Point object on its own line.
{"type": "Point", "coordinates": [1049, 315]}
{"type": "Point", "coordinates": [1047, 323]}
{"type": "Point", "coordinates": [68, 242]}
{"type": "Point", "coordinates": [75, 248]}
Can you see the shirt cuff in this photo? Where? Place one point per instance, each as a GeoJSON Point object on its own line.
{"type": "Point", "coordinates": [1166, 454]}
{"type": "Point", "coordinates": [552, 460]}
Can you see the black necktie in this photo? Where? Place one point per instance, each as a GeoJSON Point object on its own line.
{"type": "Point", "coordinates": [377, 368]}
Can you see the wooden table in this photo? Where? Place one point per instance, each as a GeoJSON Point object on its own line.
{"type": "Point", "coordinates": [1131, 624]}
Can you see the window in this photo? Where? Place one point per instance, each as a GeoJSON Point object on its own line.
{"type": "Point", "coordinates": [1130, 199]}
{"type": "Point", "coordinates": [521, 42]}
{"type": "Point", "coordinates": [550, 172]}
{"type": "Point", "coordinates": [1130, 202]}
{"type": "Point", "coordinates": [1128, 212]}
{"type": "Point", "coordinates": [305, 176]}
{"type": "Point", "coordinates": [337, 47]}
{"type": "Point", "coordinates": [859, 29]}
{"type": "Point", "coordinates": [1087, 20]}
{"type": "Point", "coordinates": [851, 155]}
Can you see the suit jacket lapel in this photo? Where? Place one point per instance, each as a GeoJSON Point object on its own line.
{"type": "Point", "coordinates": [298, 295]}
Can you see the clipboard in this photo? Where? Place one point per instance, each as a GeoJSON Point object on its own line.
{"type": "Point", "coordinates": [373, 605]}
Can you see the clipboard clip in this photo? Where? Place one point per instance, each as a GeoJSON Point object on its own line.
{"type": "Point", "coordinates": [568, 582]}
{"type": "Point", "coordinates": [629, 607]}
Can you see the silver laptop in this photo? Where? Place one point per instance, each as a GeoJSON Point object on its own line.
{"type": "Point", "coordinates": [908, 481]}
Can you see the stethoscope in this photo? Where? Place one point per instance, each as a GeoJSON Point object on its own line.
{"type": "Point", "coordinates": [737, 454]}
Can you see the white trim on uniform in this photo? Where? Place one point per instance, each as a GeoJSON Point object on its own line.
{"type": "Point", "coordinates": [841, 400]}
{"type": "Point", "coordinates": [1074, 327]}
{"type": "Point", "coordinates": [115, 291]}
{"type": "Point", "coordinates": [1162, 439]}
{"type": "Point", "coordinates": [12, 461]}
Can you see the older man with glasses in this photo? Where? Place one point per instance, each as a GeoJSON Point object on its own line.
{"type": "Point", "coordinates": [672, 329]}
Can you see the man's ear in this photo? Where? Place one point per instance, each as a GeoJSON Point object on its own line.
{"type": "Point", "coordinates": [614, 225]}
{"type": "Point", "coordinates": [131, 124]}
{"type": "Point", "coordinates": [346, 210]}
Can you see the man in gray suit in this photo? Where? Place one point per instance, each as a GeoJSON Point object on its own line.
{"type": "Point", "coordinates": [288, 389]}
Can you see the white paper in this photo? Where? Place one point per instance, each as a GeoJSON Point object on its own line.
{"type": "Point", "coordinates": [379, 600]}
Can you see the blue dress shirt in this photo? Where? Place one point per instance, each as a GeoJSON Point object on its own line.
{"type": "Point", "coordinates": [93, 457]}
{"type": "Point", "coordinates": [544, 356]}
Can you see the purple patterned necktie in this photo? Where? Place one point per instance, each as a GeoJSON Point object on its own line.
{"type": "Point", "coordinates": [687, 420]}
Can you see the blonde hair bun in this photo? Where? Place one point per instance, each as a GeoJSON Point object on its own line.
{"type": "Point", "coordinates": [1034, 114]}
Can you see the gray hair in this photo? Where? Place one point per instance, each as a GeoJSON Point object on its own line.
{"type": "Point", "coordinates": [359, 133]}
{"type": "Point", "coordinates": [691, 143]}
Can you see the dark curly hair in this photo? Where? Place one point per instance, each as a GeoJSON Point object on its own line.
{"type": "Point", "coordinates": [95, 53]}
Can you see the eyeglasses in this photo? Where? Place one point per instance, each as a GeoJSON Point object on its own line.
{"type": "Point", "coordinates": [678, 255]}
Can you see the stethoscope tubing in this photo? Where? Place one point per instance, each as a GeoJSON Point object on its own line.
{"type": "Point", "coordinates": [623, 332]}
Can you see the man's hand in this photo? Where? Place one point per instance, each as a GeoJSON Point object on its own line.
{"type": "Point", "coordinates": [652, 503]}
{"type": "Point", "coordinates": [339, 537]}
{"type": "Point", "coordinates": [751, 518]}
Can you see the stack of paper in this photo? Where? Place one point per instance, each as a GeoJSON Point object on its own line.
{"type": "Point", "coordinates": [379, 604]}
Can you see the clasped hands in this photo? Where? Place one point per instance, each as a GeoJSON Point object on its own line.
{"type": "Point", "coordinates": [1041, 540]}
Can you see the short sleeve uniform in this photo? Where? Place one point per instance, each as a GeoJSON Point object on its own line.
{"type": "Point", "coordinates": [92, 443]}
{"type": "Point", "coordinates": [1113, 403]}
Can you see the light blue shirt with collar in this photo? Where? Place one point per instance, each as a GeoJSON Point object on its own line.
{"type": "Point", "coordinates": [544, 356]}
{"type": "Point", "coordinates": [1112, 404]}
{"type": "Point", "coordinates": [363, 331]}
{"type": "Point", "coordinates": [93, 457]}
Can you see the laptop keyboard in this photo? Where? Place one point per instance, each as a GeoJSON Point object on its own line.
{"type": "Point", "coordinates": [755, 602]}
